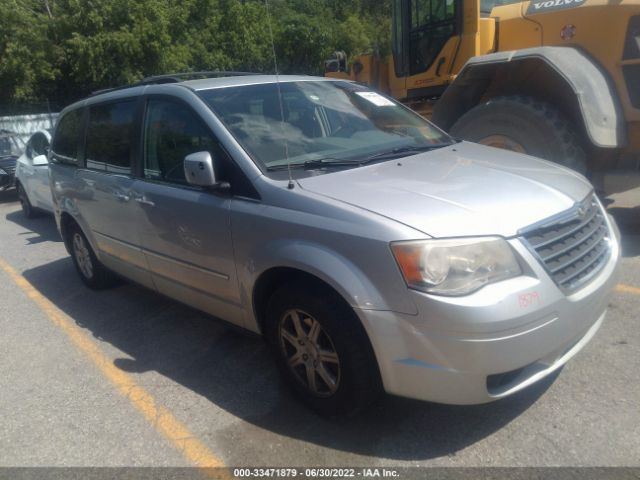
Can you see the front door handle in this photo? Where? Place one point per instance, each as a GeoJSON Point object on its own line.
{"type": "Point", "coordinates": [122, 196]}
{"type": "Point", "coordinates": [145, 201]}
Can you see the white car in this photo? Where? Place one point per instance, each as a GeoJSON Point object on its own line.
{"type": "Point", "coordinates": [32, 175]}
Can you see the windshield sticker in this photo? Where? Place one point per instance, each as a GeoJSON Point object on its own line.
{"type": "Point", "coordinates": [550, 5]}
{"type": "Point", "coordinates": [376, 99]}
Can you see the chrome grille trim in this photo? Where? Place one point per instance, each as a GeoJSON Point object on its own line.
{"type": "Point", "coordinates": [572, 246]}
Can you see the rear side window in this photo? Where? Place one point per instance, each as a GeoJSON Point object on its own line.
{"type": "Point", "coordinates": [67, 136]}
{"type": "Point", "coordinates": [109, 134]}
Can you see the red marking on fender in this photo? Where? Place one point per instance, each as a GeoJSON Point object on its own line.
{"type": "Point", "coordinates": [528, 299]}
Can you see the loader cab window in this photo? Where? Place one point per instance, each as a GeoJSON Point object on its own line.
{"type": "Point", "coordinates": [421, 28]}
{"type": "Point", "coordinates": [433, 22]}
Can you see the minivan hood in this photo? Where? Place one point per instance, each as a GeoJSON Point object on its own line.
{"type": "Point", "coordinates": [461, 190]}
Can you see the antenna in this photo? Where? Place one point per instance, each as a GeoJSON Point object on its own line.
{"type": "Point", "coordinates": [291, 185]}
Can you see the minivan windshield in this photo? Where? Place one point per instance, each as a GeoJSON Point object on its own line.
{"type": "Point", "coordinates": [315, 124]}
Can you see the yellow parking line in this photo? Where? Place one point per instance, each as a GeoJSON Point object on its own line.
{"type": "Point", "coordinates": [158, 416]}
{"type": "Point", "coordinates": [622, 288]}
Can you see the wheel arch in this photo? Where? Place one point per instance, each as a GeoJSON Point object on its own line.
{"type": "Point", "coordinates": [18, 184]}
{"type": "Point", "coordinates": [66, 223]}
{"type": "Point", "coordinates": [69, 220]}
{"type": "Point", "coordinates": [283, 261]}
{"type": "Point", "coordinates": [270, 280]}
{"type": "Point", "coordinates": [565, 77]}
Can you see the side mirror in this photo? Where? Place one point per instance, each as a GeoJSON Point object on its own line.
{"type": "Point", "coordinates": [198, 169]}
{"type": "Point", "coordinates": [40, 160]}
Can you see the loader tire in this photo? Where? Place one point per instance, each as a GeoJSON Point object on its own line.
{"type": "Point", "coordinates": [525, 125]}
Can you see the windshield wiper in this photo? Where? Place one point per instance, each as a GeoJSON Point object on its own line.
{"type": "Point", "coordinates": [400, 151]}
{"type": "Point", "coordinates": [337, 162]}
{"type": "Point", "coordinates": [316, 163]}
{"type": "Point", "coordinates": [332, 162]}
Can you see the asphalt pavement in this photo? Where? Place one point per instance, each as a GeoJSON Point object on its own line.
{"type": "Point", "coordinates": [126, 377]}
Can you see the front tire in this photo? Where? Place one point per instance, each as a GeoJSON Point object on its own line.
{"type": "Point", "coordinates": [92, 273]}
{"type": "Point", "coordinates": [321, 350]}
{"type": "Point", "coordinates": [27, 209]}
{"type": "Point", "coordinates": [525, 125]}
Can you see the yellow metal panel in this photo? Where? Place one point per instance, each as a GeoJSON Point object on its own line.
{"type": "Point", "coordinates": [634, 137]}
{"type": "Point", "coordinates": [487, 35]}
{"type": "Point", "coordinates": [470, 38]}
{"type": "Point", "coordinates": [397, 85]}
{"type": "Point", "coordinates": [599, 28]}
{"type": "Point", "coordinates": [516, 32]}
{"type": "Point", "coordinates": [429, 78]}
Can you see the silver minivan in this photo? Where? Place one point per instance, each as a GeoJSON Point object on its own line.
{"type": "Point", "coordinates": [373, 251]}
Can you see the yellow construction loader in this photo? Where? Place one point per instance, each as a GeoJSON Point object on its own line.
{"type": "Point", "coordinates": [558, 79]}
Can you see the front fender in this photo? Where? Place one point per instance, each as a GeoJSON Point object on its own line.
{"type": "Point", "coordinates": [345, 277]}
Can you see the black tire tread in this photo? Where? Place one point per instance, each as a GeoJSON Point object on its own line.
{"type": "Point", "coordinates": [103, 278]}
{"type": "Point", "coordinates": [366, 388]}
{"type": "Point", "coordinates": [30, 212]}
{"type": "Point", "coordinates": [567, 145]}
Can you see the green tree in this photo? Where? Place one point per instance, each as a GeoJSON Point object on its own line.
{"type": "Point", "coordinates": [25, 51]}
{"type": "Point", "coordinates": [64, 49]}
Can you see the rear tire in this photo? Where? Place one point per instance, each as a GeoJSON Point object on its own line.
{"type": "Point", "coordinates": [327, 360]}
{"type": "Point", "coordinates": [27, 209]}
{"type": "Point", "coordinates": [92, 273]}
{"type": "Point", "coordinates": [537, 127]}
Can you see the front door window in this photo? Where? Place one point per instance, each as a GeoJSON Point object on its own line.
{"type": "Point", "coordinates": [172, 132]}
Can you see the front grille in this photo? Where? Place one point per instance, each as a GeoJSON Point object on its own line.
{"type": "Point", "coordinates": [572, 247]}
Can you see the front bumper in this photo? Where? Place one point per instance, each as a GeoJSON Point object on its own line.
{"type": "Point", "coordinates": [492, 343]}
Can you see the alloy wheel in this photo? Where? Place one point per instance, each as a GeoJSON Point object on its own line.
{"type": "Point", "coordinates": [309, 353]}
{"type": "Point", "coordinates": [82, 255]}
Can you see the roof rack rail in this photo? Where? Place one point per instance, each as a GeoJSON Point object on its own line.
{"type": "Point", "coordinates": [175, 78]}
{"type": "Point", "coordinates": [180, 77]}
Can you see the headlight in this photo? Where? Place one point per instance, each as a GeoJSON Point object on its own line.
{"type": "Point", "coordinates": [2, 172]}
{"type": "Point", "coordinates": [455, 266]}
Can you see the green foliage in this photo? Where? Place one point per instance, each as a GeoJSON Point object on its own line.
{"type": "Point", "coordinates": [64, 49]}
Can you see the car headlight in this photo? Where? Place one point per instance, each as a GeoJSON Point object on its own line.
{"type": "Point", "coordinates": [2, 172]}
{"type": "Point", "coordinates": [455, 266]}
